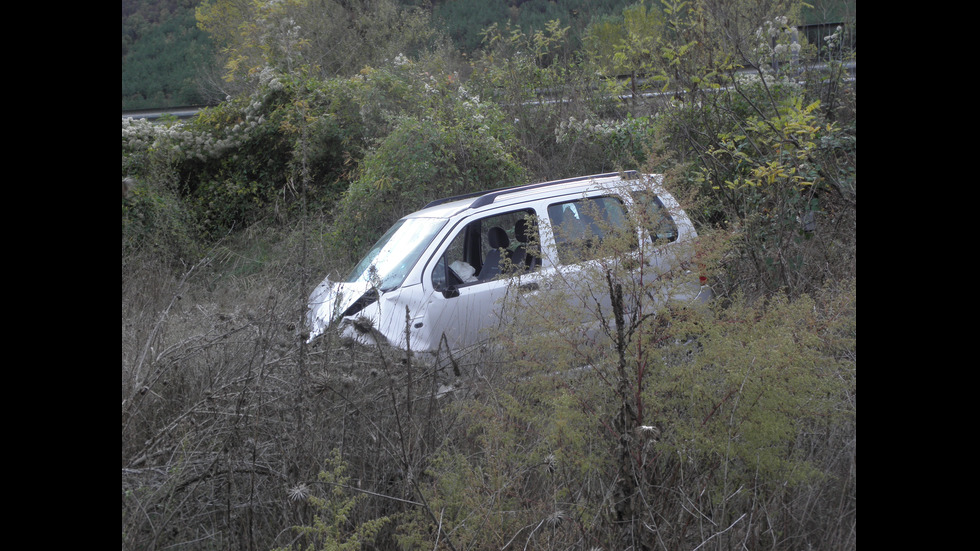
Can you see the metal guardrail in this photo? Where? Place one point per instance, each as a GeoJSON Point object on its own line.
{"type": "Point", "coordinates": [181, 112]}
{"type": "Point", "coordinates": [189, 111]}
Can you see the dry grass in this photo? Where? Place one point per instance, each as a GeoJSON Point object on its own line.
{"type": "Point", "coordinates": [228, 419]}
{"type": "Point", "coordinates": [228, 416]}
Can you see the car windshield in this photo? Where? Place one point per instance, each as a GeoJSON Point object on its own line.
{"type": "Point", "coordinates": [387, 263]}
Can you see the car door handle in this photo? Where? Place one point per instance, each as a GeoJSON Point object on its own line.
{"type": "Point", "coordinates": [527, 287]}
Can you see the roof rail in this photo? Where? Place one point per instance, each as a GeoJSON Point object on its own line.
{"type": "Point", "coordinates": [454, 198]}
{"type": "Point", "coordinates": [488, 197]}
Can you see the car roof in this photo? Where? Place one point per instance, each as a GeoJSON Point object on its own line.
{"type": "Point", "coordinates": [450, 206]}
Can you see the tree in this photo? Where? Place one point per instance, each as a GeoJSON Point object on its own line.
{"type": "Point", "coordinates": [328, 37]}
{"type": "Point", "coordinates": [626, 45]}
{"type": "Point", "coordinates": [440, 140]}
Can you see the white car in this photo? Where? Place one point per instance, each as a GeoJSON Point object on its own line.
{"type": "Point", "coordinates": [438, 275]}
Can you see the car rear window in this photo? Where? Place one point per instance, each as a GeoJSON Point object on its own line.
{"type": "Point", "coordinates": [654, 217]}
{"type": "Point", "coordinates": [580, 226]}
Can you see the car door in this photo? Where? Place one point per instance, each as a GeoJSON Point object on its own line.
{"type": "Point", "coordinates": [585, 237]}
{"type": "Point", "coordinates": [472, 273]}
{"type": "Point", "coordinates": [667, 247]}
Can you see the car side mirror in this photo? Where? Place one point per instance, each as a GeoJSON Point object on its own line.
{"type": "Point", "coordinates": [450, 292]}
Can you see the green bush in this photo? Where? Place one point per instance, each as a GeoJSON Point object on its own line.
{"type": "Point", "coordinates": [256, 156]}
{"type": "Point", "coordinates": [330, 528]}
{"type": "Point", "coordinates": [294, 138]}
{"type": "Point", "coordinates": [667, 423]}
{"type": "Point", "coordinates": [780, 177]}
{"type": "Point", "coordinates": [442, 141]}
{"type": "Point", "coordinates": [155, 223]}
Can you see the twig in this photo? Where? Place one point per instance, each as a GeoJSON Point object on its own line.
{"type": "Point", "coordinates": [375, 494]}
{"type": "Point", "coordinates": [438, 530]}
{"type": "Point", "coordinates": [720, 533]}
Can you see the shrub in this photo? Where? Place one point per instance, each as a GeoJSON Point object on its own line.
{"type": "Point", "coordinates": [155, 223]}
{"type": "Point", "coordinates": [330, 528]}
{"type": "Point", "coordinates": [771, 172]}
{"type": "Point", "coordinates": [443, 142]}
{"type": "Point", "coordinates": [255, 156]}
{"type": "Point", "coordinates": [638, 421]}
{"type": "Point", "coordinates": [546, 95]}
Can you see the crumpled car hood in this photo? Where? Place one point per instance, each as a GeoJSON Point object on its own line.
{"type": "Point", "coordinates": [330, 300]}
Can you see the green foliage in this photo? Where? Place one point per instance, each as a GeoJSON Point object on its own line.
{"type": "Point", "coordinates": [466, 20]}
{"type": "Point", "coordinates": [679, 45]}
{"type": "Point", "coordinates": [762, 377]}
{"type": "Point", "coordinates": [156, 223]}
{"type": "Point", "coordinates": [527, 473]}
{"type": "Point", "coordinates": [327, 38]}
{"type": "Point", "coordinates": [829, 11]}
{"type": "Point", "coordinates": [532, 78]}
{"type": "Point", "coordinates": [521, 64]}
{"type": "Point", "coordinates": [442, 141]}
{"type": "Point", "coordinates": [777, 170]}
{"type": "Point", "coordinates": [163, 54]}
{"type": "Point", "coordinates": [330, 529]}
{"type": "Point", "coordinates": [626, 45]}
{"type": "Point", "coordinates": [755, 151]}
{"type": "Point", "coordinates": [608, 143]}
{"type": "Point", "coordinates": [258, 155]}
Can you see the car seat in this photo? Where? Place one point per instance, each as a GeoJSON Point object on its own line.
{"type": "Point", "coordinates": [498, 241]}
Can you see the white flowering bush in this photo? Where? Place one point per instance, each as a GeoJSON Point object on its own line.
{"type": "Point", "coordinates": [237, 162]}
{"type": "Point", "coordinates": [178, 157]}
{"type": "Point", "coordinates": [614, 144]}
{"type": "Point", "coordinates": [140, 136]}
{"type": "Point", "coordinates": [776, 42]}
{"type": "Point", "coordinates": [834, 43]}
{"type": "Point", "coordinates": [203, 139]}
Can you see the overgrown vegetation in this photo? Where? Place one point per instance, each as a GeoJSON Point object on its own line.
{"type": "Point", "coordinates": [731, 425]}
{"type": "Point", "coordinates": [165, 57]}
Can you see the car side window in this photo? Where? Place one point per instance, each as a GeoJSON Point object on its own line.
{"type": "Point", "coordinates": [580, 226]}
{"type": "Point", "coordinates": [656, 219]}
{"type": "Point", "coordinates": [488, 248]}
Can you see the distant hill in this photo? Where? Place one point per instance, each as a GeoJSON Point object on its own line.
{"type": "Point", "coordinates": [163, 54]}
{"type": "Point", "coordinates": [464, 20]}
